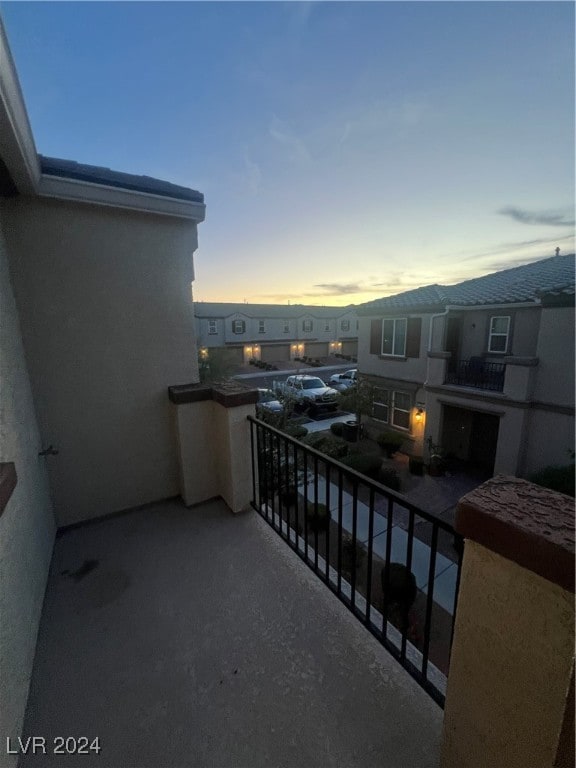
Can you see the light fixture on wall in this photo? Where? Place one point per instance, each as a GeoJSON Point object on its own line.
{"type": "Point", "coordinates": [419, 413]}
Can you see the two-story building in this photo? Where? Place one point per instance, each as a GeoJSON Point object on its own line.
{"type": "Point", "coordinates": [482, 371]}
{"type": "Point", "coordinates": [274, 333]}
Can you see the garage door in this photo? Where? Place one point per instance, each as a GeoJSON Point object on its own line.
{"type": "Point", "coordinates": [316, 349]}
{"type": "Point", "coordinates": [234, 355]}
{"type": "Point", "coordinates": [350, 348]}
{"type": "Point", "coordinates": [275, 353]}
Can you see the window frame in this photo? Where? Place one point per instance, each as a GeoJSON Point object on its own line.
{"type": "Point", "coordinates": [394, 321]}
{"type": "Point", "coordinates": [261, 326]}
{"type": "Point", "coordinates": [305, 324]}
{"type": "Point", "coordinates": [382, 404]}
{"type": "Point", "coordinates": [238, 324]}
{"type": "Point", "coordinates": [212, 327]}
{"type": "Point", "coordinates": [286, 326]}
{"type": "Point", "coordinates": [492, 334]}
{"type": "Point", "coordinates": [344, 325]}
{"type": "Point", "coordinates": [395, 408]}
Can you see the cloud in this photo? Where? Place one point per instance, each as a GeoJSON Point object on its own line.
{"type": "Point", "coordinates": [340, 289]}
{"type": "Point", "coordinates": [284, 135]}
{"type": "Point", "coordinates": [547, 218]}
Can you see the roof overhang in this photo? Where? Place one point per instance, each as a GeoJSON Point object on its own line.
{"type": "Point", "coordinates": [21, 161]}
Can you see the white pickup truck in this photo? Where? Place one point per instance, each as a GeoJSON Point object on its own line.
{"type": "Point", "coordinates": [308, 392]}
{"type": "Point", "coordinates": [346, 379]}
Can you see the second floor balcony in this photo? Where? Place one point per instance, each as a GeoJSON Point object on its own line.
{"type": "Point", "coordinates": [477, 373]}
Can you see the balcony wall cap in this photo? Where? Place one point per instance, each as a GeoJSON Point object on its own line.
{"type": "Point", "coordinates": [529, 362]}
{"type": "Point", "coordinates": [230, 394]}
{"type": "Point", "coordinates": [440, 355]}
{"type": "Point", "coordinates": [523, 522]}
{"type": "Point", "coordinates": [8, 480]}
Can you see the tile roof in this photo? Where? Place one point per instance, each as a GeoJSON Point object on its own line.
{"type": "Point", "coordinates": [509, 286]}
{"type": "Point", "coordinates": [221, 309]}
{"type": "Point", "coordinates": [94, 174]}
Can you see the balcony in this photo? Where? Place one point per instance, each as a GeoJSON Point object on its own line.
{"type": "Point", "coordinates": [477, 373]}
{"type": "Point", "coordinates": [193, 637]}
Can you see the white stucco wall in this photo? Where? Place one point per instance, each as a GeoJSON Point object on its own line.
{"type": "Point", "coordinates": [107, 322]}
{"type": "Point", "coordinates": [27, 526]}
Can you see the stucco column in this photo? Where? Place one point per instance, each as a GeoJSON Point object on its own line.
{"type": "Point", "coordinates": [519, 377]}
{"type": "Point", "coordinates": [437, 362]}
{"type": "Point", "coordinates": [510, 699]}
{"type": "Point", "coordinates": [213, 436]}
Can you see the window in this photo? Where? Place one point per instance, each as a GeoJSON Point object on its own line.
{"type": "Point", "coordinates": [286, 326]}
{"type": "Point", "coordinates": [380, 404]}
{"type": "Point", "coordinates": [261, 326]}
{"type": "Point", "coordinates": [307, 326]}
{"type": "Point", "coordinates": [401, 405]}
{"type": "Point", "coordinates": [238, 326]}
{"type": "Point", "coordinates": [499, 331]}
{"type": "Point", "coordinates": [327, 325]}
{"type": "Point", "coordinates": [345, 325]}
{"type": "Point", "coordinates": [212, 328]}
{"type": "Point", "coordinates": [394, 337]}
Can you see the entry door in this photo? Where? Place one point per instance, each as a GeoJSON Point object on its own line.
{"type": "Point", "coordinates": [484, 441]}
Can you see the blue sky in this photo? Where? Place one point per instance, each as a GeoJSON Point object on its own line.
{"type": "Point", "coordinates": [346, 150]}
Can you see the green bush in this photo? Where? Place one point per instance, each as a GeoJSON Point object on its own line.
{"type": "Point", "coordinates": [390, 442]}
{"type": "Point", "coordinates": [318, 517]}
{"type": "Point", "coordinates": [556, 478]}
{"type": "Point", "coordinates": [296, 430]}
{"type": "Point", "coordinates": [365, 463]}
{"type": "Point", "coordinates": [389, 477]}
{"type": "Point", "coordinates": [402, 586]}
{"type": "Point", "coordinates": [334, 447]}
{"type": "Point", "coordinates": [337, 428]}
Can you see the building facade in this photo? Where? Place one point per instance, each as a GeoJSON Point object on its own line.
{"type": "Point", "coordinates": [482, 371]}
{"type": "Point", "coordinates": [275, 333]}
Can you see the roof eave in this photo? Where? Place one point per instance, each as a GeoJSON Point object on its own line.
{"type": "Point", "coordinates": [62, 188]}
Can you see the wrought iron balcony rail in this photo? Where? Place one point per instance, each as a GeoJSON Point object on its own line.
{"type": "Point", "coordinates": [395, 566]}
{"type": "Point", "coordinates": [477, 373]}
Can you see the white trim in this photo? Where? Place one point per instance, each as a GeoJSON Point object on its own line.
{"type": "Point", "coordinates": [17, 146]}
{"type": "Point", "coordinates": [118, 197]}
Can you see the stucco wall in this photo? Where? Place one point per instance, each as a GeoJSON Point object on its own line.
{"type": "Point", "coordinates": [550, 437]}
{"type": "Point", "coordinates": [555, 374]}
{"type": "Point", "coordinates": [107, 321]}
{"type": "Point", "coordinates": [523, 332]}
{"type": "Point", "coordinates": [27, 525]}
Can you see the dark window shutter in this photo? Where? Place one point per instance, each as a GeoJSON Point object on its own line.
{"type": "Point", "coordinates": [243, 326]}
{"type": "Point", "coordinates": [376, 337]}
{"type": "Point", "coordinates": [413, 337]}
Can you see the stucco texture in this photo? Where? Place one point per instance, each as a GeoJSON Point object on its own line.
{"type": "Point", "coordinates": [107, 322]}
{"type": "Point", "coordinates": [27, 525]}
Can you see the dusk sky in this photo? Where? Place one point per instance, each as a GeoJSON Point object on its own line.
{"type": "Point", "coordinates": [346, 151]}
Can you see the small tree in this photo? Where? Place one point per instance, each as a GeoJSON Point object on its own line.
{"type": "Point", "coordinates": [215, 365]}
{"type": "Point", "coordinates": [358, 399]}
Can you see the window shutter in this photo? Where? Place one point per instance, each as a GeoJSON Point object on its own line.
{"type": "Point", "coordinates": [413, 337]}
{"type": "Point", "coordinates": [243, 326]}
{"type": "Point", "coordinates": [376, 337]}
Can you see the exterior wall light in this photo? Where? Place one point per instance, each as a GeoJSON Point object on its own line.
{"type": "Point", "coordinates": [419, 413]}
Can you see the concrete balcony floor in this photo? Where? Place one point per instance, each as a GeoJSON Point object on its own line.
{"type": "Point", "coordinates": [193, 637]}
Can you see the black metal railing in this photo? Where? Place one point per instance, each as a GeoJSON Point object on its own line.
{"type": "Point", "coordinates": [477, 373]}
{"type": "Point", "coordinates": [395, 566]}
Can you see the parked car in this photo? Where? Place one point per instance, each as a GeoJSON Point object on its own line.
{"type": "Point", "coordinates": [308, 392]}
{"type": "Point", "coordinates": [268, 401]}
{"type": "Point", "coordinates": [344, 380]}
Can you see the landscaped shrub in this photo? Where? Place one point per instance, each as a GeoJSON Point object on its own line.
{"type": "Point", "coordinates": [334, 447]}
{"type": "Point", "coordinates": [366, 463]}
{"type": "Point", "coordinates": [402, 587]}
{"type": "Point", "coordinates": [390, 442]}
{"type": "Point", "coordinates": [416, 465]}
{"type": "Point", "coordinates": [296, 431]}
{"type": "Point", "coordinates": [556, 478]}
{"type": "Point", "coordinates": [318, 517]}
{"type": "Point", "coordinates": [337, 428]}
{"type": "Point", "coordinates": [352, 555]}
{"type": "Point", "coordinates": [389, 477]}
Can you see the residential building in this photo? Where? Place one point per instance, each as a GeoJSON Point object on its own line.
{"type": "Point", "coordinates": [482, 371]}
{"type": "Point", "coordinates": [274, 333]}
